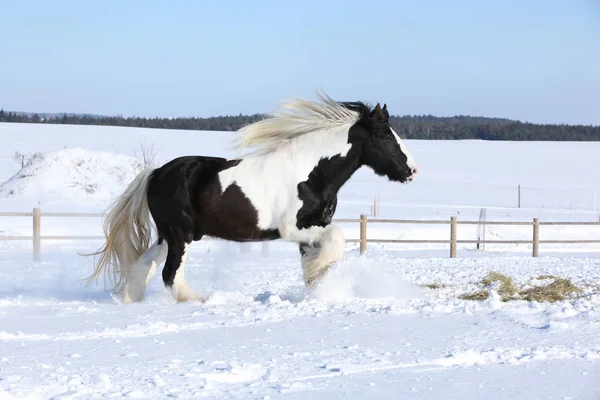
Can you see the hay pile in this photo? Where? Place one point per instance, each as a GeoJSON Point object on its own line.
{"type": "Point", "coordinates": [558, 289]}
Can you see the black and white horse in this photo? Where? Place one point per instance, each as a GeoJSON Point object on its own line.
{"type": "Point", "coordinates": [285, 189]}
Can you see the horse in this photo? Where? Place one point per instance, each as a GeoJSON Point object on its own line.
{"type": "Point", "coordinates": [286, 188]}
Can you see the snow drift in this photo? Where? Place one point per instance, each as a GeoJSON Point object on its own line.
{"type": "Point", "coordinates": [73, 175]}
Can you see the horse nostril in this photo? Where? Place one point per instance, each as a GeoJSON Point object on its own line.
{"type": "Point", "coordinates": [415, 171]}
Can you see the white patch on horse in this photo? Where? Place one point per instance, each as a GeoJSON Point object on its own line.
{"type": "Point", "coordinates": [301, 142]}
{"type": "Point", "coordinates": [409, 158]}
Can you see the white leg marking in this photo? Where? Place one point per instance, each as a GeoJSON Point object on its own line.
{"type": "Point", "coordinates": [316, 260]}
{"type": "Point", "coordinates": [180, 289]}
{"type": "Point", "coordinates": [139, 275]}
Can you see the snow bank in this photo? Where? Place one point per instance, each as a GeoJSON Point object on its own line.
{"type": "Point", "coordinates": [72, 175]}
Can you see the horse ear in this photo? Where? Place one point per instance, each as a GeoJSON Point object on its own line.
{"type": "Point", "coordinates": [373, 112]}
{"type": "Point", "coordinates": [376, 113]}
{"type": "Point", "coordinates": [384, 111]}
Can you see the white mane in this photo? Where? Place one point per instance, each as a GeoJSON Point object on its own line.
{"type": "Point", "coordinates": [294, 118]}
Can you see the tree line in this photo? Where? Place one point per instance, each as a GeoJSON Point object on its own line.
{"type": "Point", "coordinates": [425, 127]}
{"type": "Point", "coordinates": [221, 123]}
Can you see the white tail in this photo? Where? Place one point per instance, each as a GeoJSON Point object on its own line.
{"type": "Point", "coordinates": [128, 231]}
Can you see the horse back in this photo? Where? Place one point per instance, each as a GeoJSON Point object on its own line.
{"type": "Point", "coordinates": [187, 191]}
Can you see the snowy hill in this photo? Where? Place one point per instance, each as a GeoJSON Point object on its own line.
{"type": "Point", "coordinates": [72, 175]}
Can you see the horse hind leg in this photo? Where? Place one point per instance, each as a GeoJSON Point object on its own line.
{"type": "Point", "coordinates": [139, 275]}
{"type": "Point", "coordinates": [174, 273]}
{"type": "Point", "coordinates": [318, 257]}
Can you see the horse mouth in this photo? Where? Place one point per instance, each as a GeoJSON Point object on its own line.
{"type": "Point", "coordinates": [413, 175]}
{"type": "Point", "coordinates": [409, 178]}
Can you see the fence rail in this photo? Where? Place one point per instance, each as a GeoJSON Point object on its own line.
{"type": "Point", "coordinates": [453, 241]}
{"type": "Point", "coordinates": [363, 222]}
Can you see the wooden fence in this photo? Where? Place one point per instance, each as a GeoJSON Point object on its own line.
{"type": "Point", "coordinates": [363, 222]}
{"type": "Point", "coordinates": [453, 241]}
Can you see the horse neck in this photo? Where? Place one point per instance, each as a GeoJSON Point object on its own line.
{"type": "Point", "coordinates": [326, 158]}
{"type": "Point", "coordinates": [338, 170]}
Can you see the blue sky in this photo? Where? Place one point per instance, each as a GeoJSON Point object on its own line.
{"type": "Point", "coordinates": [533, 60]}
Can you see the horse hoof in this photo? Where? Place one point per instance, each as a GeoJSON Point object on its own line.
{"type": "Point", "coordinates": [193, 298]}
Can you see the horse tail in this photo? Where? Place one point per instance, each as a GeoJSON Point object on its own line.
{"type": "Point", "coordinates": [128, 230]}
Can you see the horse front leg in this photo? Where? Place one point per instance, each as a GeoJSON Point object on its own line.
{"type": "Point", "coordinates": [320, 255]}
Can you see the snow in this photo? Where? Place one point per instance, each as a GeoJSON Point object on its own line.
{"type": "Point", "coordinates": [90, 176]}
{"type": "Point", "coordinates": [372, 330]}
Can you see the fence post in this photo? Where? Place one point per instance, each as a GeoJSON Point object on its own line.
{"type": "Point", "coordinates": [37, 245]}
{"type": "Point", "coordinates": [245, 247]}
{"type": "Point", "coordinates": [363, 234]}
{"type": "Point", "coordinates": [481, 229]}
{"type": "Point", "coordinates": [375, 209]}
{"type": "Point", "coordinates": [536, 237]}
{"type": "Point", "coordinates": [452, 237]}
{"type": "Point", "coordinates": [519, 196]}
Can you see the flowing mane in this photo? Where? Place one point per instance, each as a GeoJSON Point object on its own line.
{"type": "Point", "coordinates": [294, 118]}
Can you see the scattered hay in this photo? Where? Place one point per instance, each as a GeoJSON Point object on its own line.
{"type": "Point", "coordinates": [507, 289]}
{"type": "Point", "coordinates": [556, 291]}
{"type": "Point", "coordinates": [547, 277]}
{"type": "Point", "coordinates": [477, 296]}
{"type": "Point", "coordinates": [559, 290]}
{"type": "Point", "coordinates": [434, 286]}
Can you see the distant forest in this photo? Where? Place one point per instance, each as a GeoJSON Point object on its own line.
{"type": "Point", "coordinates": [411, 127]}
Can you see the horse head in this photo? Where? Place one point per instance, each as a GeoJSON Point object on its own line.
{"type": "Point", "coordinates": [381, 148]}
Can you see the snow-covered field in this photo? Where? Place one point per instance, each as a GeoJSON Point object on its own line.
{"type": "Point", "coordinates": [371, 331]}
